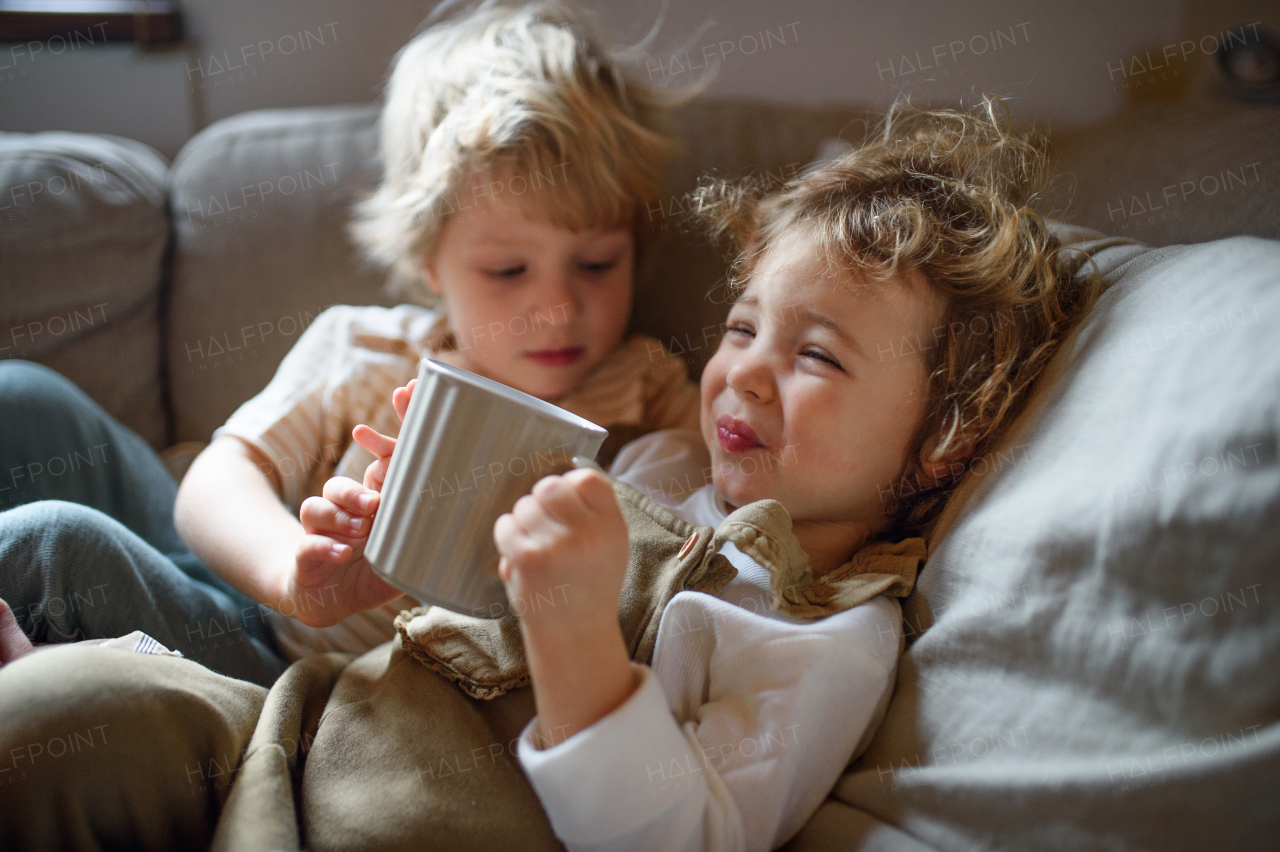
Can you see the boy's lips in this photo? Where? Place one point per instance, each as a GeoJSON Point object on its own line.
{"type": "Point", "coordinates": [562, 357]}
{"type": "Point", "coordinates": [735, 436]}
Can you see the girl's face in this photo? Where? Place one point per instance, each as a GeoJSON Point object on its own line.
{"type": "Point", "coordinates": [812, 399]}
{"type": "Point", "coordinates": [533, 306]}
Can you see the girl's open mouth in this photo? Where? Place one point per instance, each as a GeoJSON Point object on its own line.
{"type": "Point", "coordinates": [556, 357]}
{"type": "Point", "coordinates": [735, 436]}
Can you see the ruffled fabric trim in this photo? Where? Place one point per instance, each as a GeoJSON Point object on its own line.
{"type": "Point", "coordinates": [762, 530]}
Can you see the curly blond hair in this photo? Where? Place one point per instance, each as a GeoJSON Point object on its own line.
{"type": "Point", "coordinates": [524, 99]}
{"type": "Point", "coordinates": [946, 193]}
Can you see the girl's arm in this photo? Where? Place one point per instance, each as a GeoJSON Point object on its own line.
{"type": "Point", "coordinates": [566, 542]}
{"type": "Point", "coordinates": [734, 738]}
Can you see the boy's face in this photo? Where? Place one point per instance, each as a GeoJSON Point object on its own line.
{"type": "Point", "coordinates": [533, 306]}
{"type": "Point", "coordinates": [811, 398]}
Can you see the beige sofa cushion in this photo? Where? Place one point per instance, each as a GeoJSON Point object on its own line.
{"type": "Point", "coordinates": [1174, 172]}
{"type": "Point", "coordinates": [83, 231]}
{"type": "Point", "coordinates": [260, 202]}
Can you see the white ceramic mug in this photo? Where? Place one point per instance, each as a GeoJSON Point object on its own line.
{"type": "Point", "coordinates": [469, 448]}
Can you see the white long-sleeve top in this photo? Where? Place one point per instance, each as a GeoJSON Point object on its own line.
{"type": "Point", "coordinates": [746, 718]}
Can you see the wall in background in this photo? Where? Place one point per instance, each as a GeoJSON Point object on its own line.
{"type": "Point", "coordinates": [1056, 61]}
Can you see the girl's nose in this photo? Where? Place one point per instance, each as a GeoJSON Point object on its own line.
{"type": "Point", "coordinates": [751, 376]}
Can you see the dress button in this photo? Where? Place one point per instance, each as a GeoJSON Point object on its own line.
{"type": "Point", "coordinates": [688, 545]}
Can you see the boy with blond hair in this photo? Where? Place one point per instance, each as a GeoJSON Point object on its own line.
{"type": "Point", "coordinates": [517, 162]}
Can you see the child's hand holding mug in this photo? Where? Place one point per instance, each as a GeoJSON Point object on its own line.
{"type": "Point", "coordinates": [564, 547]}
{"type": "Point", "coordinates": [564, 551]}
{"type": "Point", "coordinates": [331, 578]}
{"type": "Point", "coordinates": [564, 555]}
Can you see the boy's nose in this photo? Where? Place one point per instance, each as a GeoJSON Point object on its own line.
{"type": "Point", "coordinates": [557, 301]}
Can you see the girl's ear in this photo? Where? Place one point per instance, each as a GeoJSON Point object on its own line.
{"type": "Point", "coordinates": [950, 466]}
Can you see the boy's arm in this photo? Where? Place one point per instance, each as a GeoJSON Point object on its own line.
{"type": "Point", "coordinates": [229, 513]}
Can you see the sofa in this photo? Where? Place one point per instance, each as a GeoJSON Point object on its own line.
{"type": "Point", "coordinates": [1091, 646]}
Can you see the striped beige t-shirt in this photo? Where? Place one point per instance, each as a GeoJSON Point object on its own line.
{"type": "Point", "coordinates": [341, 373]}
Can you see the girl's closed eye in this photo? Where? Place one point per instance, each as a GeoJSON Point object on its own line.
{"type": "Point", "coordinates": [819, 355]}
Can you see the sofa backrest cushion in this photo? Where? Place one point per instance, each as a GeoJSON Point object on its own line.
{"type": "Point", "coordinates": [261, 202]}
{"type": "Point", "coordinates": [84, 225]}
{"type": "Point", "coordinates": [1173, 172]}
{"type": "Point", "coordinates": [1095, 637]}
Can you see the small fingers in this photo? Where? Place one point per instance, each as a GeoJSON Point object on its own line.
{"type": "Point", "coordinates": [319, 548]}
{"type": "Point", "coordinates": [374, 441]}
{"type": "Point", "coordinates": [581, 494]}
{"type": "Point", "coordinates": [594, 489]}
{"type": "Point", "coordinates": [375, 475]}
{"type": "Point", "coordinates": [351, 496]}
{"type": "Point", "coordinates": [322, 516]}
{"type": "Point", "coordinates": [530, 514]}
{"type": "Point", "coordinates": [560, 499]}
{"type": "Point", "coordinates": [533, 515]}
{"type": "Point", "coordinates": [400, 397]}
{"type": "Point", "coordinates": [508, 535]}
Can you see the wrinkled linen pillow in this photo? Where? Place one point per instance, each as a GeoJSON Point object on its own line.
{"type": "Point", "coordinates": [1095, 631]}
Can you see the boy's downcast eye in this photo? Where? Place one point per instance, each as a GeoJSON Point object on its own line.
{"type": "Point", "coordinates": [598, 266]}
{"type": "Point", "coordinates": [507, 271]}
{"type": "Point", "coordinates": [739, 328]}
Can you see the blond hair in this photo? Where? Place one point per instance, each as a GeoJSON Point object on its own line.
{"type": "Point", "coordinates": [526, 100]}
{"type": "Point", "coordinates": [945, 193]}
